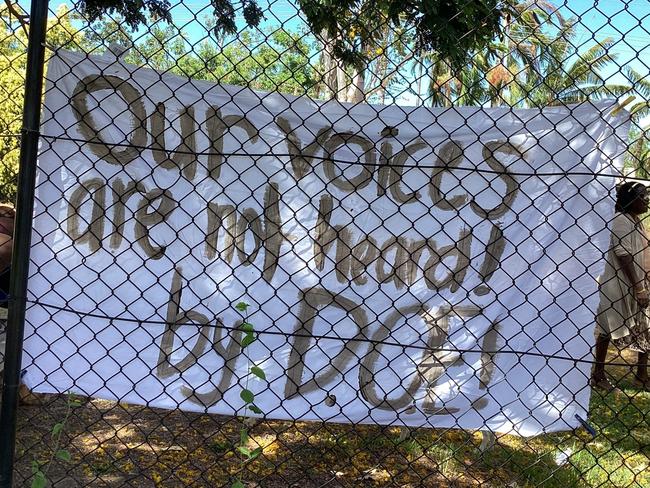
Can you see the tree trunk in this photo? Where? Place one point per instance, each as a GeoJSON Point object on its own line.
{"type": "Point", "coordinates": [356, 91]}
{"type": "Point", "coordinates": [342, 82]}
{"type": "Point", "coordinates": [338, 83]}
{"type": "Point", "coordinates": [330, 69]}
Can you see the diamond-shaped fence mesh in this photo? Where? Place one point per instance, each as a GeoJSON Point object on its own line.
{"type": "Point", "coordinates": [257, 261]}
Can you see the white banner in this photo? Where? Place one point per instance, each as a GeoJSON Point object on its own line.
{"type": "Point", "coordinates": [433, 282]}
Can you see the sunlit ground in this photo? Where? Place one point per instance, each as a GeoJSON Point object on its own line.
{"type": "Point", "coordinates": [115, 445]}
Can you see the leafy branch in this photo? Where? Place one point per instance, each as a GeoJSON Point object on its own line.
{"type": "Point", "coordinates": [41, 468]}
{"type": "Point", "coordinates": [451, 28]}
{"type": "Point", "coordinates": [22, 17]}
{"type": "Point", "coordinates": [246, 454]}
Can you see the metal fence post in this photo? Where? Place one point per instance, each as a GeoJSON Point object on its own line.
{"type": "Point", "coordinates": [22, 235]}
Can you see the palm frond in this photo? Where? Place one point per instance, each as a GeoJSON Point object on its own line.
{"type": "Point", "coordinates": [641, 83]}
{"type": "Point", "coordinates": [640, 110]}
{"type": "Point", "coordinates": [594, 92]}
{"type": "Point", "coordinates": [594, 59]}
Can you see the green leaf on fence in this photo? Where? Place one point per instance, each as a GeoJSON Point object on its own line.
{"type": "Point", "coordinates": [248, 339]}
{"type": "Point", "coordinates": [255, 452]}
{"type": "Point", "coordinates": [73, 401]}
{"type": "Point", "coordinates": [39, 480]}
{"type": "Point", "coordinates": [63, 454]}
{"type": "Point", "coordinates": [243, 437]}
{"type": "Point", "coordinates": [247, 395]}
{"type": "Point", "coordinates": [247, 327]}
{"type": "Point", "coordinates": [244, 450]}
{"type": "Point", "coordinates": [36, 467]}
{"type": "Point", "coordinates": [259, 372]}
{"type": "Point", "coordinates": [242, 306]}
{"type": "Point", "coordinates": [255, 408]}
{"type": "Point", "coordinates": [56, 430]}
{"type": "Point", "coordinates": [238, 484]}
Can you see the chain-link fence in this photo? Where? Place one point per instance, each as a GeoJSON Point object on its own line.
{"type": "Point", "coordinates": [258, 260]}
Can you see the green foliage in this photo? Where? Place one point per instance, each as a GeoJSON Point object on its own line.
{"type": "Point", "coordinates": [274, 60]}
{"type": "Point", "coordinates": [41, 468]}
{"type": "Point", "coordinates": [535, 64]}
{"type": "Point", "coordinates": [39, 480]}
{"type": "Point", "coordinates": [248, 340]}
{"type": "Point", "coordinates": [224, 14]}
{"type": "Point", "coordinates": [638, 154]}
{"type": "Point", "coordinates": [13, 61]}
{"type": "Point", "coordinates": [259, 372]}
{"type": "Point", "coordinates": [131, 10]}
{"type": "Point", "coordinates": [255, 409]}
{"type": "Point", "coordinates": [560, 75]}
{"type": "Point", "coordinates": [12, 83]}
{"type": "Point", "coordinates": [539, 62]}
{"type": "Point", "coordinates": [221, 447]}
{"type": "Point", "coordinates": [246, 327]}
{"type": "Point", "coordinates": [452, 28]}
{"type": "Point", "coordinates": [248, 397]}
{"type": "Point", "coordinates": [63, 455]}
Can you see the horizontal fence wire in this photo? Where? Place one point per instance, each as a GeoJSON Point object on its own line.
{"type": "Point", "coordinates": [332, 244]}
{"type": "Point", "coordinates": [358, 162]}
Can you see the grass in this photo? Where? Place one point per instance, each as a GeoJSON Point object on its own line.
{"type": "Point", "coordinates": [116, 445]}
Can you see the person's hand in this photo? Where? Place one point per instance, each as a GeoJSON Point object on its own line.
{"type": "Point", "coordinates": [642, 297]}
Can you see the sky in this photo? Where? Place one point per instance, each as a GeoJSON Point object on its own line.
{"type": "Point", "coordinates": [626, 23]}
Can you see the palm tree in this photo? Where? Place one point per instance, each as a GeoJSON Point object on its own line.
{"type": "Point", "coordinates": [514, 49]}
{"type": "Point", "coordinates": [535, 64]}
{"type": "Point", "coordinates": [638, 155]}
{"type": "Point", "coordinates": [487, 78]}
{"type": "Point", "coordinates": [557, 74]}
{"type": "Point", "coordinates": [443, 85]}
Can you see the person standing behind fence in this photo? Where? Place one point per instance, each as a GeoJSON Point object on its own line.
{"type": "Point", "coordinates": [621, 315]}
{"type": "Point", "coordinates": [7, 215]}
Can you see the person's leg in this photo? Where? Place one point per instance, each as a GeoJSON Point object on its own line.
{"type": "Point", "coordinates": [602, 344]}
